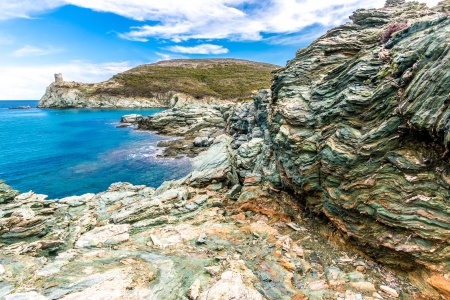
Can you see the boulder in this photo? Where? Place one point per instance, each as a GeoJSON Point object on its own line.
{"type": "Point", "coordinates": [203, 141]}
{"type": "Point", "coordinates": [104, 236]}
{"type": "Point", "coordinates": [133, 118]}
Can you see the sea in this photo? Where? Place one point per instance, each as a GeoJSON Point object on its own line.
{"type": "Point", "coordinates": [65, 152]}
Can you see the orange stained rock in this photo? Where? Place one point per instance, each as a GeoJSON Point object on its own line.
{"type": "Point", "coordinates": [272, 213]}
{"type": "Point", "coordinates": [287, 264]}
{"type": "Point", "coordinates": [240, 217]}
{"type": "Point", "coordinates": [260, 228]}
{"type": "Point", "coordinates": [114, 207]}
{"type": "Point", "coordinates": [299, 296]}
{"type": "Point", "coordinates": [441, 285]}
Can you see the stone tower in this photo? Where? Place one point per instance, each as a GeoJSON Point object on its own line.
{"type": "Point", "coordinates": [59, 78]}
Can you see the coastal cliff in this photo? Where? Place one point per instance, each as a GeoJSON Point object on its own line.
{"type": "Point", "coordinates": [334, 184]}
{"type": "Point", "coordinates": [163, 84]}
{"type": "Point", "coordinates": [360, 131]}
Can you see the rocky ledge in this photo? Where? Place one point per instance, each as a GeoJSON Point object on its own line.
{"type": "Point", "coordinates": [356, 128]}
{"type": "Point", "coordinates": [201, 237]}
{"type": "Point", "coordinates": [344, 159]}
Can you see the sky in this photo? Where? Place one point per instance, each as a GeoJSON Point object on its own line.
{"type": "Point", "coordinates": [91, 40]}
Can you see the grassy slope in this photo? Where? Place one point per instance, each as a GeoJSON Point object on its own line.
{"type": "Point", "coordinates": [219, 78]}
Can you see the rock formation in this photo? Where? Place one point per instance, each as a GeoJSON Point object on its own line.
{"type": "Point", "coordinates": [200, 237]}
{"type": "Point", "coordinates": [345, 158]}
{"type": "Point", "coordinates": [357, 130]}
{"type": "Point", "coordinates": [163, 84]}
{"type": "Point", "coordinates": [360, 132]}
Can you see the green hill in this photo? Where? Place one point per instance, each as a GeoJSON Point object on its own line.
{"type": "Point", "coordinates": [219, 78]}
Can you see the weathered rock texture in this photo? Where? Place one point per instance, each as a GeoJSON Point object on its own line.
{"type": "Point", "coordinates": [360, 132]}
{"type": "Point", "coordinates": [184, 240]}
{"type": "Point", "coordinates": [78, 95]}
{"type": "Point", "coordinates": [163, 84]}
{"type": "Point", "coordinates": [195, 123]}
{"type": "Point", "coordinates": [353, 129]}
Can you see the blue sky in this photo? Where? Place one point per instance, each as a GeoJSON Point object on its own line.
{"type": "Point", "coordinates": [91, 40]}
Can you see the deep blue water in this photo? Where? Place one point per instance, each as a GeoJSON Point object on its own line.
{"type": "Point", "coordinates": [76, 151]}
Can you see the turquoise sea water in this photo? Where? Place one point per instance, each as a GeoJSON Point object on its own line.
{"type": "Point", "coordinates": [76, 151]}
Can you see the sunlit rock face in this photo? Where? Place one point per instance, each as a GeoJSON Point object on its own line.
{"type": "Point", "coordinates": [361, 131]}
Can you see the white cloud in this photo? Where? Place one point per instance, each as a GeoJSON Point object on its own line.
{"type": "Point", "coordinates": [21, 83]}
{"type": "Point", "coordinates": [200, 49]}
{"type": "Point", "coordinates": [180, 20]}
{"type": "Point", "coordinates": [10, 9]}
{"type": "Point", "coordinates": [35, 51]}
{"type": "Point", "coordinates": [166, 56]}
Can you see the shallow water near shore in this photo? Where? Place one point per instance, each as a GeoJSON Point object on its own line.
{"type": "Point", "coordinates": [76, 151]}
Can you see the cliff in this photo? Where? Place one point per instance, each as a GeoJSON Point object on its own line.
{"type": "Point", "coordinates": [360, 130]}
{"type": "Point", "coordinates": [162, 84]}
{"type": "Point", "coordinates": [333, 185]}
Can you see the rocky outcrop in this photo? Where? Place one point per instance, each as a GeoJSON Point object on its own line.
{"type": "Point", "coordinates": [195, 124]}
{"type": "Point", "coordinates": [184, 240]}
{"type": "Point", "coordinates": [163, 84]}
{"type": "Point", "coordinates": [359, 131]}
{"type": "Point", "coordinates": [80, 95]}
{"type": "Point", "coordinates": [354, 130]}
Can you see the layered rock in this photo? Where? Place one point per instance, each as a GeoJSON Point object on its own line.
{"type": "Point", "coordinates": [184, 240]}
{"type": "Point", "coordinates": [354, 129]}
{"type": "Point", "coordinates": [196, 124]}
{"type": "Point", "coordinates": [359, 130]}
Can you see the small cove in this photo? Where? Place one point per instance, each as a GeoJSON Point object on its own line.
{"type": "Point", "coordinates": [75, 151]}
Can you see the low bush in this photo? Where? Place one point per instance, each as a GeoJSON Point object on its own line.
{"type": "Point", "coordinates": [391, 29]}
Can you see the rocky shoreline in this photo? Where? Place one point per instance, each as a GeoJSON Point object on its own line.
{"type": "Point", "coordinates": [201, 237]}
{"type": "Point", "coordinates": [293, 195]}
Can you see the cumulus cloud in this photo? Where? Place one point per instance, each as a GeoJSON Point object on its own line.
{"type": "Point", "coordinates": [240, 20]}
{"type": "Point", "coordinates": [181, 20]}
{"type": "Point", "coordinates": [200, 49]}
{"type": "Point", "coordinates": [35, 51]}
{"type": "Point", "coordinates": [22, 83]}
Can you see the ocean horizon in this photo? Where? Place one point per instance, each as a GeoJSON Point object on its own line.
{"type": "Point", "coordinates": [64, 152]}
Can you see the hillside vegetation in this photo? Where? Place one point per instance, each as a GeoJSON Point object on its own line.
{"type": "Point", "coordinates": [219, 78]}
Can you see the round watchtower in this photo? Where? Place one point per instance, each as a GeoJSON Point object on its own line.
{"type": "Point", "coordinates": [59, 78]}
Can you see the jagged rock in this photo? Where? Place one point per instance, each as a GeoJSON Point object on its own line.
{"type": "Point", "coordinates": [213, 165]}
{"type": "Point", "coordinates": [203, 141]}
{"type": "Point", "coordinates": [233, 193]}
{"type": "Point", "coordinates": [230, 286]}
{"type": "Point", "coordinates": [363, 144]}
{"type": "Point", "coordinates": [104, 236]}
{"type": "Point", "coordinates": [133, 118]}
{"type": "Point", "coordinates": [197, 125]}
{"type": "Point", "coordinates": [202, 239]}
{"type": "Point", "coordinates": [353, 130]}
{"type": "Point", "coordinates": [7, 194]}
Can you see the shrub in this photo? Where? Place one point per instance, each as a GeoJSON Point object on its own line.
{"type": "Point", "coordinates": [391, 29]}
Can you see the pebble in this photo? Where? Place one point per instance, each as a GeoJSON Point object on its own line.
{"type": "Point", "coordinates": [202, 239]}
{"type": "Point", "coordinates": [363, 286]}
{"type": "Point", "coordinates": [156, 241]}
{"type": "Point", "coordinates": [389, 290]}
{"type": "Point", "coordinates": [360, 269]}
